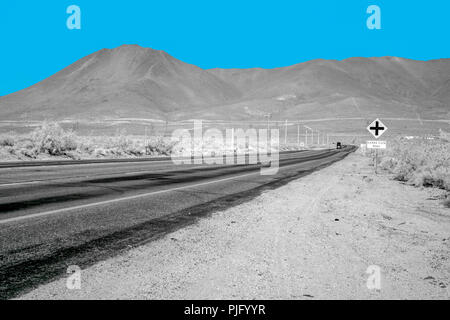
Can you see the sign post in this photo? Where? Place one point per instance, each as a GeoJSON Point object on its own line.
{"type": "Point", "coordinates": [375, 160]}
{"type": "Point", "coordinates": [376, 128]}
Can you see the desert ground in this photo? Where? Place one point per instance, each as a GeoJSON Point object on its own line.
{"type": "Point", "coordinates": [314, 238]}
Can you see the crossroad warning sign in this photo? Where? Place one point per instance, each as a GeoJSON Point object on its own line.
{"type": "Point", "coordinates": [377, 128]}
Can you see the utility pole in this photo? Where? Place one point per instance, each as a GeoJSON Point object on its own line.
{"type": "Point", "coordinates": [285, 132]}
{"type": "Point", "coordinates": [306, 135]}
{"type": "Point", "coordinates": [376, 161]}
{"type": "Point", "coordinates": [298, 134]}
{"type": "Point", "coordinates": [232, 139]}
{"type": "Point", "coordinates": [145, 141]}
{"type": "Point", "coordinates": [268, 123]}
{"type": "Point", "coordinates": [318, 137]}
{"type": "Point", "coordinates": [165, 127]}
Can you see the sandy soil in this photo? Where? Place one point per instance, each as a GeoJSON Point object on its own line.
{"type": "Point", "coordinates": [313, 238]}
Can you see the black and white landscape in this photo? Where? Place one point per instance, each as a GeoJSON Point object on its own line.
{"type": "Point", "coordinates": [93, 205]}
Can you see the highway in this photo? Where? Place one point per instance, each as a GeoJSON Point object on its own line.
{"type": "Point", "coordinates": [53, 214]}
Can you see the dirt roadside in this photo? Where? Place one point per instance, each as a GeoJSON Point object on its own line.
{"type": "Point", "coordinates": [313, 238]}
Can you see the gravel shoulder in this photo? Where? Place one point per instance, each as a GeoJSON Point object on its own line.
{"type": "Point", "coordinates": [313, 238]}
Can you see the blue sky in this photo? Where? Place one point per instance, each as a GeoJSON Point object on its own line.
{"type": "Point", "coordinates": [216, 33]}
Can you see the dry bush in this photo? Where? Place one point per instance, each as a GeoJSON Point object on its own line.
{"type": "Point", "coordinates": [446, 202]}
{"type": "Point", "coordinates": [420, 162]}
{"type": "Point", "coordinates": [444, 135]}
{"type": "Point", "coordinates": [122, 144]}
{"type": "Point", "coordinates": [52, 139]}
{"type": "Point", "coordinates": [7, 141]}
{"type": "Point", "coordinates": [160, 146]}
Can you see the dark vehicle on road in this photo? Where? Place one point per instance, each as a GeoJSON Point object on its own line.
{"type": "Point", "coordinates": [338, 145]}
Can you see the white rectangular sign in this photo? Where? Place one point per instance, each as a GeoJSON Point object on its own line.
{"type": "Point", "coordinates": [376, 144]}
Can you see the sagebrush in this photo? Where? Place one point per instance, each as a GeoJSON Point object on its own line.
{"type": "Point", "coordinates": [420, 162]}
{"type": "Point", "coordinates": [50, 139]}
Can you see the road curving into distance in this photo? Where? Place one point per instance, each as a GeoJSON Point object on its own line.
{"type": "Point", "coordinates": [54, 215]}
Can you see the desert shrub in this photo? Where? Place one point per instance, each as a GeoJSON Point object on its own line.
{"type": "Point", "coordinates": [7, 141]}
{"type": "Point", "coordinates": [446, 201]}
{"type": "Point", "coordinates": [52, 139]}
{"type": "Point", "coordinates": [160, 146]}
{"type": "Point", "coordinates": [121, 144]}
{"type": "Point", "coordinates": [444, 135]}
{"type": "Point", "coordinates": [420, 162]}
{"type": "Point", "coordinates": [86, 146]}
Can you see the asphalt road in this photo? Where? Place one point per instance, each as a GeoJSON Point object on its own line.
{"type": "Point", "coordinates": [53, 215]}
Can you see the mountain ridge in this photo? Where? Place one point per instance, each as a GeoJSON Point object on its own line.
{"type": "Point", "coordinates": [132, 81]}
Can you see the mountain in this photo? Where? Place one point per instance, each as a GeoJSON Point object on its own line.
{"type": "Point", "coordinates": [386, 86]}
{"type": "Point", "coordinates": [135, 82]}
{"type": "Point", "coordinates": [129, 81]}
